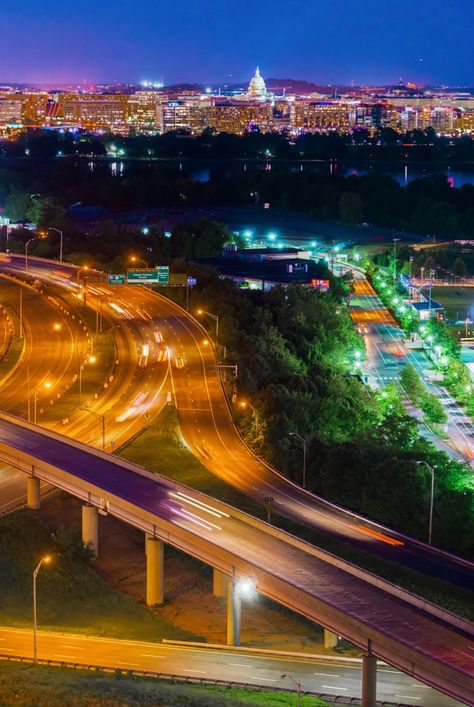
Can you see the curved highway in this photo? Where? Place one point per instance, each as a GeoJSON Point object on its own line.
{"type": "Point", "coordinates": [208, 429]}
{"type": "Point", "coordinates": [422, 641]}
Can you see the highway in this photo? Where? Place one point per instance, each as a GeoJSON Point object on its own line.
{"type": "Point", "coordinates": [422, 641]}
{"type": "Point", "coordinates": [208, 429]}
{"type": "Point", "coordinates": [330, 676]}
{"type": "Point", "coordinates": [387, 353]}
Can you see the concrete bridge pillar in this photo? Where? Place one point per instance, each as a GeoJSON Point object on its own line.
{"type": "Point", "coordinates": [219, 583]}
{"type": "Point", "coordinates": [329, 639]}
{"type": "Point", "coordinates": [233, 613]}
{"type": "Point", "coordinates": [90, 528]}
{"type": "Point", "coordinates": [33, 493]}
{"type": "Point", "coordinates": [154, 571]}
{"type": "Point", "coordinates": [369, 680]}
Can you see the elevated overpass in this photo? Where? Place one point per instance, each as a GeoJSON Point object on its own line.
{"type": "Point", "coordinates": [207, 426]}
{"type": "Point", "coordinates": [384, 621]}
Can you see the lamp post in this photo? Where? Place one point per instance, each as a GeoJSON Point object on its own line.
{"type": "Point", "coordinates": [430, 524]}
{"type": "Point", "coordinates": [296, 685]}
{"type": "Point", "coordinates": [304, 441]}
{"type": "Point", "coordinates": [395, 241]}
{"type": "Point", "coordinates": [46, 559]}
{"type": "Point", "coordinates": [47, 386]}
{"type": "Point", "coordinates": [26, 250]}
{"type": "Point", "coordinates": [102, 419]}
{"type": "Point", "coordinates": [213, 316]}
{"type": "Point", "coordinates": [58, 230]}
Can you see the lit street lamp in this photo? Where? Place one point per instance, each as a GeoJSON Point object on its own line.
{"type": "Point", "coordinates": [216, 319]}
{"type": "Point", "coordinates": [35, 238]}
{"type": "Point", "coordinates": [432, 472]}
{"type": "Point", "coordinates": [304, 441]}
{"type": "Point", "coordinates": [46, 560]}
{"type": "Point", "coordinates": [47, 385]}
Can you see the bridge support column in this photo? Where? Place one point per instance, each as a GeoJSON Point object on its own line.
{"type": "Point", "coordinates": [90, 528]}
{"type": "Point", "coordinates": [220, 582]}
{"type": "Point", "coordinates": [154, 571]}
{"type": "Point", "coordinates": [33, 493]}
{"type": "Point", "coordinates": [369, 680]}
{"type": "Point", "coordinates": [329, 639]}
{"type": "Point", "coordinates": [233, 613]}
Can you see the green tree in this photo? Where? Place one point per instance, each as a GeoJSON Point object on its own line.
{"type": "Point", "coordinates": [433, 409]}
{"type": "Point", "coordinates": [411, 383]}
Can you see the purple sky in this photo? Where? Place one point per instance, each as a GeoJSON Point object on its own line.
{"type": "Point", "coordinates": [209, 41]}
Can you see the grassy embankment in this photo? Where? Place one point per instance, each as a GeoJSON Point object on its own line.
{"type": "Point", "coordinates": [71, 596]}
{"type": "Point", "coordinates": [25, 685]}
{"type": "Point", "coordinates": [160, 448]}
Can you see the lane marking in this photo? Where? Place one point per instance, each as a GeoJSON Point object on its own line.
{"type": "Point", "coordinates": [331, 687]}
{"type": "Point", "coordinates": [328, 675]}
{"type": "Point", "coordinates": [74, 648]}
{"type": "Point", "coordinates": [196, 671]}
{"type": "Point", "coordinates": [151, 655]}
{"type": "Point", "coordinates": [408, 697]}
{"type": "Point", "coordinates": [124, 662]}
{"type": "Point", "coordinates": [242, 665]}
{"type": "Point", "coordinates": [253, 677]}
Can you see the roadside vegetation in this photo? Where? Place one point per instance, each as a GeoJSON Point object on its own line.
{"type": "Point", "coordinates": [23, 684]}
{"type": "Point", "coordinates": [176, 461]}
{"type": "Point", "coordinates": [71, 596]}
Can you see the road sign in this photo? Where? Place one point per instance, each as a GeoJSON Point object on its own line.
{"type": "Point", "coordinates": [163, 274]}
{"type": "Point", "coordinates": [143, 277]}
{"type": "Point", "coordinates": [191, 281]}
{"type": "Point", "coordinates": [117, 279]}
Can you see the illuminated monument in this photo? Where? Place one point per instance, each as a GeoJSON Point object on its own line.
{"type": "Point", "coordinates": [257, 88]}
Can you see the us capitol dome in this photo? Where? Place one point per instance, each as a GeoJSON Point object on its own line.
{"type": "Point", "coordinates": [257, 88]}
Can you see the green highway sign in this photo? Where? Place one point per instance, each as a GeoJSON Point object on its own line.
{"type": "Point", "coordinates": [142, 277]}
{"type": "Point", "coordinates": [163, 274]}
{"type": "Point", "coordinates": [117, 279]}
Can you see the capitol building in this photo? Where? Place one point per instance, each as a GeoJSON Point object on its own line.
{"type": "Point", "coordinates": [257, 89]}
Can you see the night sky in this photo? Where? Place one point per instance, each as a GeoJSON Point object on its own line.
{"type": "Point", "coordinates": [426, 41]}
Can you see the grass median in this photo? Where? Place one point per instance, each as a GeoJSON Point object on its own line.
{"type": "Point", "coordinates": [23, 684]}
{"type": "Point", "coordinates": [160, 448]}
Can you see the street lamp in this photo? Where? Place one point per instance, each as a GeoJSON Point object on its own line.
{"type": "Point", "coordinates": [44, 560]}
{"type": "Point", "coordinates": [47, 386]}
{"type": "Point", "coordinates": [35, 238]}
{"type": "Point", "coordinates": [79, 270]}
{"type": "Point", "coordinates": [102, 419]}
{"type": "Point", "coordinates": [213, 316]}
{"type": "Point", "coordinates": [395, 241]}
{"type": "Point", "coordinates": [296, 685]}
{"type": "Point", "coordinates": [90, 359]}
{"type": "Point", "coordinates": [432, 472]}
{"type": "Point", "coordinates": [304, 441]}
{"type": "Point", "coordinates": [134, 259]}
{"type": "Point", "coordinates": [58, 230]}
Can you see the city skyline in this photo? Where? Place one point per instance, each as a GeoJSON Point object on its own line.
{"type": "Point", "coordinates": [307, 43]}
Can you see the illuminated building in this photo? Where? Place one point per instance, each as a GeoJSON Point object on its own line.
{"type": "Point", "coordinates": [188, 113]}
{"type": "Point", "coordinates": [257, 89]}
{"type": "Point", "coordinates": [465, 122]}
{"type": "Point", "coordinates": [94, 111]}
{"type": "Point", "coordinates": [10, 109]}
{"type": "Point", "coordinates": [238, 117]}
{"type": "Point", "coordinates": [320, 117]}
{"type": "Point", "coordinates": [143, 111]}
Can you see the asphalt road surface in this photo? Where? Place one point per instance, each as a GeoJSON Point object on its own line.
{"type": "Point", "coordinates": [330, 676]}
